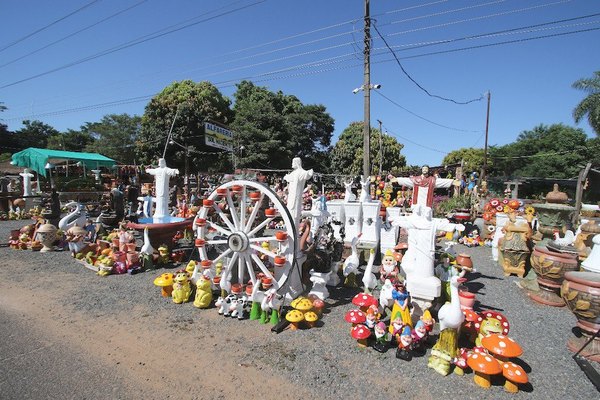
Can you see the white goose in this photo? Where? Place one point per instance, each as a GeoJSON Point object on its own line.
{"type": "Point", "coordinates": [351, 264]}
{"type": "Point", "coordinates": [147, 246]}
{"type": "Point", "coordinates": [74, 218]}
{"type": "Point", "coordinates": [450, 314]}
{"type": "Point", "coordinates": [369, 279]}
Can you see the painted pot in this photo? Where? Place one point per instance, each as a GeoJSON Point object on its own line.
{"type": "Point", "coordinates": [132, 257]}
{"type": "Point", "coordinates": [466, 299]}
{"type": "Point", "coordinates": [581, 292]}
{"type": "Point", "coordinates": [551, 267]}
{"type": "Point", "coordinates": [464, 260]}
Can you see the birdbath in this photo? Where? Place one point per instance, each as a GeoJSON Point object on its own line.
{"type": "Point", "coordinates": [554, 214]}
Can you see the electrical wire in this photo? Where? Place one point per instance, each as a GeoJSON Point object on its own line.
{"type": "Point", "coordinates": [415, 82]}
{"type": "Point", "coordinates": [48, 26]}
{"type": "Point", "coordinates": [74, 33]}
{"type": "Point", "coordinates": [130, 44]}
{"type": "Point", "coordinates": [413, 142]}
{"type": "Point", "coordinates": [423, 118]}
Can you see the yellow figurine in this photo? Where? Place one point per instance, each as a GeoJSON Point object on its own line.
{"type": "Point", "coordinates": [204, 294]}
{"type": "Point", "coordinates": [181, 287]}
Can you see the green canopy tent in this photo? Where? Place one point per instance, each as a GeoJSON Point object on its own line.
{"type": "Point", "coordinates": [37, 159]}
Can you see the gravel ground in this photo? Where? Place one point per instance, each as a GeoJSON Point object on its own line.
{"type": "Point", "coordinates": [120, 325]}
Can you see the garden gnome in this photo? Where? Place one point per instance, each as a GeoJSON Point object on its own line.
{"type": "Point", "coordinates": [389, 268]}
{"type": "Point", "coordinates": [382, 337]}
{"type": "Point", "coordinates": [404, 340]}
{"type": "Point", "coordinates": [161, 186]}
{"type": "Point", "coordinates": [296, 181]}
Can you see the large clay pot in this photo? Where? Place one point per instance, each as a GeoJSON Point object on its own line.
{"type": "Point", "coordinates": [581, 293]}
{"type": "Point", "coordinates": [551, 267]}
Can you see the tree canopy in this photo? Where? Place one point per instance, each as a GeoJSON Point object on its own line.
{"type": "Point", "coordinates": [554, 151]}
{"type": "Point", "coordinates": [273, 128]}
{"type": "Point", "coordinates": [194, 103]}
{"type": "Point", "coordinates": [347, 154]}
{"type": "Point", "coordinates": [34, 134]}
{"type": "Point", "coordinates": [72, 141]}
{"type": "Point", "coordinates": [590, 105]}
{"type": "Point", "coordinates": [472, 157]}
{"type": "Point", "coordinates": [114, 135]}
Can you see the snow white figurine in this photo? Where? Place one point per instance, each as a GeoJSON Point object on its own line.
{"type": "Point", "coordinates": [401, 303]}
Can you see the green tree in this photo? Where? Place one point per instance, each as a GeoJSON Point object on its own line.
{"type": "Point", "coordinates": [347, 153]}
{"type": "Point", "coordinates": [194, 103]}
{"type": "Point", "coordinates": [114, 136]}
{"type": "Point", "coordinates": [472, 157]}
{"type": "Point", "coordinates": [274, 128]}
{"type": "Point", "coordinates": [71, 140]}
{"type": "Point", "coordinates": [554, 151]}
{"type": "Point", "coordinates": [34, 134]}
{"type": "Point", "coordinates": [590, 105]}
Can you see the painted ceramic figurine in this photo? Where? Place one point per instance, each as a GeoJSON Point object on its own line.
{"type": "Point", "coordinates": [401, 304]}
{"type": "Point", "coordinates": [389, 267]}
{"type": "Point", "coordinates": [204, 294]}
{"type": "Point", "coordinates": [405, 345]}
{"type": "Point", "coordinates": [181, 287]}
{"type": "Point", "coordinates": [420, 335]}
{"type": "Point", "coordinates": [382, 337]}
{"type": "Point", "coordinates": [372, 317]}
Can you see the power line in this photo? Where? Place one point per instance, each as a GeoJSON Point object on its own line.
{"type": "Point", "coordinates": [415, 82]}
{"type": "Point", "coordinates": [131, 43]}
{"type": "Point", "coordinates": [415, 143]}
{"type": "Point", "coordinates": [48, 26]}
{"type": "Point", "coordinates": [423, 118]}
{"type": "Point", "coordinates": [74, 33]}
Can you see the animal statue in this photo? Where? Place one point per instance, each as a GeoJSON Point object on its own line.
{"type": "Point", "coordinates": [369, 279]}
{"type": "Point", "coordinates": [386, 298]}
{"type": "Point", "coordinates": [181, 287]}
{"type": "Point", "coordinates": [351, 264]}
{"type": "Point", "coordinates": [365, 193]}
{"type": "Point", "coordinates": [271, 303]}
{"type": "Point", "coordinates": [450, 314]}
{"type": "Point", "coordinates": [567, 240]}
{"type": "Point", "coordinates": [75, 217]}
{"type": "Point", "coordinates": [204, 294]}
{"type": "Point", "coordinates": [225, 304]}
{"type": "Point", "coordinates": [147, 251]}
{"type": "Point", "coordinates": [348, 195]}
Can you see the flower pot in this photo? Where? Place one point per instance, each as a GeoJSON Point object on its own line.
{"type": "Point", "coordinates": [207, 203]}
{"type": "Point", "coordinates": [270, 212]}
{"type": "Point", "coordinates": [132, 257]}
{"type": "Point", "coordinates": [551, 267]}
{"type": "Point", "coordinates": [281, 236]}
{"type": "Point", "coordinates": [237, 189]}
{"type": "Point", "coordinates": [119, 256]}
{"type": "Point", "coordinates": [200, 242]}
{"type": "Point", "coordinates": [254, 196]}
{"type": "Point", "coordinates": [279, 261]}
{"type": "Point", "coordinates": [130, 247]}
{"type": "Point", "coordinates": [200, 222]}
{"type": "Point", "coordinates": [466, 299]}
{"type": "Point", "coordinates": [581, 292]}
{"type": "Point", "coordinates": [464, 260]}
{"type": "Point", "coordinates": [222, 192]}
{"type": "Point", "coordinates": [206, 264]}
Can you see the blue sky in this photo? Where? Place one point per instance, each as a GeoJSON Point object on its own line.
{"type": "Point", "coordinates": [313, 50]}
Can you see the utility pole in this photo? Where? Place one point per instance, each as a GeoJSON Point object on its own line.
{"type": "Point", "coordinates": [367, 90]}
{"type": "Point", "coordinates": [485, 148]}
{"type": "Point", "coordinates": [380, 147]}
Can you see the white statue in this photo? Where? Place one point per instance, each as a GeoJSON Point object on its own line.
{"type": "Point", "coordinates": [365, 192]}
{"type": "Point", "coordinates": [27, 175]}
{"type": "Point", "coordinates": [161, 186]}
{"type": "Point", "coordinates": [419, 258]}
{"type": "Point", "coordinates": [423, 186]}
{"type": "Point", "coordinates": [296, 181]}
{"type": "Point", "coordinates": [348, 195]}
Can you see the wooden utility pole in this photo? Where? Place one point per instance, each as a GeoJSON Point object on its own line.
{"type": "Point", "coordinates": [367, 91]}
{"type": "Point", "coordinates": [485, 148]}
{"type": "Point", "coordinates": [380, 147]}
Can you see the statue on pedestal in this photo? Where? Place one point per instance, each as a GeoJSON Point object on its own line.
{"type": "Point", "coordinates": [423, 186]}
{"type": "Point", "coordinates": [27, 175]}
{"type": "Point", "coordinates": [296, 181]}
{"type": "Point", "coordinates": [161, 186]}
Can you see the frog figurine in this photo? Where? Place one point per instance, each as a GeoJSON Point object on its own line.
{"type": "Point", "coordinates": [181, 287]}
{"type": "Point", "coordinates": [204, 294]}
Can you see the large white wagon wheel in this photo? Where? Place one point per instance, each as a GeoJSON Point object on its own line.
{"type": "Point", "coordinates": [241, 222]}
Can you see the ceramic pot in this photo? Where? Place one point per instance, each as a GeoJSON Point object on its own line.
{"type": "Point", "coordinates": [116, 243]}
{"type": "Point", "coordinates": [551, 267]}
{"type": "Point", "coordinates": [464, 260]}
{"type": "Point", "coordinates": [466, 299]}
{"type": "Point", "coordinates": [281, 236]}
{"type": "Point", "coordinates": [556, 196]}
{"type": "Point", "coordinates": [119, 256]}
{"type": "Point", "coordinates": [130, 247]}
{"type": "Point", "coordinates": [46, 235]}
{"type": "Point", "coordinates": [581, 293]}
{"type": "Point", "coordinates": [132, 257]}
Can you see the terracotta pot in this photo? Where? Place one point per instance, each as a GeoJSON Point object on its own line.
{"type": "Point", "coordinates": [466, 299]}
{"type": "Point", "coordinates": [199, 242]}
{"type": "Point", "coordinates": [200, 222]}
{"type": "Point", "coordinates": [254, 196]}
{"type": "Point", "coordinates": [131, 246]}
{"type": "Point", "coordinates": [221, 192]}
{"type": "Point", "coordinates": [556, 196]}
{"type": "Point", "coordinates": [281, 236]}
{"type": "Point", "coordinates": [551, 267]}
{"type": "Point", "coordinates": [581, 292]}
{"type": "Point", "coordinates": [237, 189]}
{"type": "Point", "coordinates": [270, 212]}
{"type": "Point", "coordinates": [207, 203]}
{"type": "Point", "coordinates": [280, 261]}
{"type": "Point", "coordinates": [464, 260]}
{"type": "Point", "coordinates": [116, 243]}
{"type": "Point", "coordinates": [119, 256]}
{"type": "Point", "coordinates": [206, 264]}
{"type": "Point", "coordinates": [132, 257]}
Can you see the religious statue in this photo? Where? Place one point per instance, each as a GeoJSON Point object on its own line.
{"type": "Point", "coordinates": [296, 181]}
{"type": "Point", "coordinates": [419, 259]}
{"type": "Point", "coordinates": [27, 175]}
{"type": "Point", "coordinates": [423, 186]}
{"type": "Point", "coordinates": [161, 187]}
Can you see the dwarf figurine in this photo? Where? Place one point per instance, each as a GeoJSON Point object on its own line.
{"type": "Point", "coordinates": [372, 317]}
{"type": "Point", "coordinates": [382, 337]}
{"type": "Point", "coordinates": [405, 345]}
{"type": "Point", "coordinates": [419, 337]}
{"type": "Point", "coordinates": [389, 267]}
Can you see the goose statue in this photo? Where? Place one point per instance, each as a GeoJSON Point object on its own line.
{"type": "Point", "coordinates": [450, 317]}
{"type": "Point", "coordinates": [351, 264]}
{"type": "Point", "coordinates": [75, 217]}
{"type": "Point", "coordinates": [147, 252]}
{"type": "Point", "coordinates": [369, 279]}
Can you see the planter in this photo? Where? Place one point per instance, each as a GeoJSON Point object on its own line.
{"type": "Point", "coordinates": [466, 299]}
{"type": "Point", "coordinates": [581, 293]}
{"type": "Point", "coordinates": [551, 267]}
{"type": "Point", "coordinates": [464, 260]}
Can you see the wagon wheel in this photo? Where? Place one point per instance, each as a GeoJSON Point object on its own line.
{"type": "Point", "coordinates": [231, 219]}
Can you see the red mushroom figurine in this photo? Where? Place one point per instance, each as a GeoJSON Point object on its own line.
{"type": "Point", "coordinates": [364, 301]}
{"type": "Point", "coordinates": [361, 333]}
